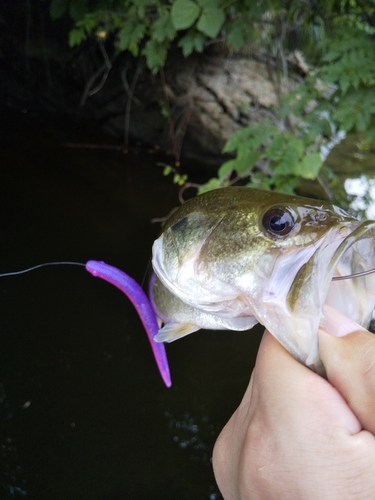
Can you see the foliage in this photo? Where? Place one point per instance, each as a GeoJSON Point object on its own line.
{"type": "Point", "coordinates": [148, 27]}
{"type": "Point", "coordinates": [279, 155]}
{"type": "Point", "coordinates": [145, 27]}
{"type": "Point", "coordinates": [270, 157]}
{"type": "Point", "coordinates": [337, 95]}
{"type": "Point", "coordinates": [349, 63]}
{"type": "Point", "coordinates": [178, 178]}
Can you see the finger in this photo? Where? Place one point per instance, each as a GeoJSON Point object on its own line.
{"type": "Point", "coordinates": [295, 390]}
{"type": "Point", "coordinates": [226, 456]}
{"type": "Point", "coordinates": [285, 403]}
{"type": "Point", "coordinates": [349, 361]}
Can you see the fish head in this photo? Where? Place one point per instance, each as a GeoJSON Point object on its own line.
{"type": "Point", "coordinates": [233, 257]}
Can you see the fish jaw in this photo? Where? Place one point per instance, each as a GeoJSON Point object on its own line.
{"type": "Point", "coordinates": [342, 252]}
{"type": "Point", "coordinates": [354, 297]}
{"type": "Point", "coordinates": [180, 318]}
{"type": "Point", "coordinates": [292, 309]}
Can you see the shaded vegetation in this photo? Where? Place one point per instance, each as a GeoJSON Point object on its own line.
{"type": "Point", "coordinates": [336, 97]}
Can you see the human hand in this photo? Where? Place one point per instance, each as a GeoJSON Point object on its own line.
{"type": "Point", "coordinates": [294, 436]}
{"type": "Point", "coordinates": [348, 354]}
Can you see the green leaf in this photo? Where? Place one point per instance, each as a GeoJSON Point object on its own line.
{"type": "Point", "coordinates": [296, 147]}
{"type": "Point", "coordinates": [363, 120]}
{"type": "Point", "coordinates": [309, 167]}
{"type": "Point", "coordinates": [370, 135]}
{"type": "Point", "coordinates": [208, 3]}
{"type": "Point", "coordinates": [184, 14]}
{"type": "Point", "coordinates": [251, 137]}
{"type": "Point", "coordinates": [130, 36]}
{"type": "Point", "coordinates": [244, 164]}
{"type": "Point", "coordinates": [167, 170]}
{"type": "Point", "coordinates": [345, 117]}
{"type": "Point", "coordinates": [155, 54]}
{"type": "Point", "coordinates": [138, 3]}
{"type": "Point", "coordinates": [241, 30]}
{"type": "Point", "coordinates": [344, 82]}
{"type": "Point", "coordinates": [163, 108]}
{"type": "Point", "coordinates": [286, 184]}
{"type": "Point", "coordinates": [213, 183]}
{"type": "Point", "coordinates": [211, 21]}
{"type": "Point", "coordinates": [225, 168]}
{"type": "Point", "coordinates": [89, 22]}
{"type": "Point", "coordinates": [274, 150]}
{"type": "Point", "coordinates": [124, 36]}
{"type": "Point", "coordinates": [77, 9]}
{"type": "Point", "coordinates": [235, 37]}
{"type": "Point", "coordinates": [192, 41]}
{"type": "Point", "coordinates": [325, 126]}
{"type": "Point", "coordinates": [292, 154]}
{"type": "Point", "coordinates": [76, 36]}
{"type": "Point", "coordinates": [180, 179]}
{"type": "Point", "coordinates": [57, 8]}
{"type": "Point", "coordinates": [281, 168]}
{"type": "Point", "coordinates": [117, 21]}
{"type": "Point", "coordinates": [260, 182]}
{"type": "Point", "coordinates": [163, 28]}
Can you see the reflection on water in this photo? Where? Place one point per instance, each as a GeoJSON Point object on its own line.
{"type": "Point", "coordinates": [189, 433]}
{"type": "Point", "coordinates": [12, 481]}
{"type": "Point", "coordinates": [84, 413]}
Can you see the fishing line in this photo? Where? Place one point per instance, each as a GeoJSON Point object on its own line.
{"type": "Point", "coordinates": [14, 273]}
{"type": "Point", "coordinates": [67, 263]}
{"type": "Point", "coordinates": [146, 273]}
{"type": "Point", "coordinates": [356, 275]}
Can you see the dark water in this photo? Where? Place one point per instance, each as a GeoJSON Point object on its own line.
{"type": "Point", "coordinates": [83, 411]}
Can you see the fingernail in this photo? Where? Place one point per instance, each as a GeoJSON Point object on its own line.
{"type": "Point", "coordinates": [337, 324]}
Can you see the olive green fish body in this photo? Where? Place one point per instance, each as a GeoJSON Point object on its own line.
{"type": "Point", "coordinates": [234, 257]}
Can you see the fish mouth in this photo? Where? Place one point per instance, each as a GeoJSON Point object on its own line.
{"type": "Point", "coordinates": [354, 297]}
{"type": "Point", "coordinates": [343, 251]}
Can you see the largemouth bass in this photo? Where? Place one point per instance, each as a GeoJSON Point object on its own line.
{"type": "Point", "coordinates": [234, 257]}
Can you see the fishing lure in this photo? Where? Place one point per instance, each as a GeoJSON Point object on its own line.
{"type": "Point", "coordinates": [134, 293]}
{"type": "Point", "coordinates": [139, 300]}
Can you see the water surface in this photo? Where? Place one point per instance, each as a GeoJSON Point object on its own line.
{"type": "Point", "coordinates": [84, 413]}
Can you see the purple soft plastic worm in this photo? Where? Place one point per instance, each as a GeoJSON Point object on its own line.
{"type": "Point", "coordinates": [141, 303]}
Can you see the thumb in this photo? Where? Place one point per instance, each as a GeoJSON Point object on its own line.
{"type": "Point", "coordinates": [348, 354]}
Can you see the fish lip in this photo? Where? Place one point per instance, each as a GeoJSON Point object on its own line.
{"type": "Point", "coordinates": [351, 239]}
{"type": "Point", "coordinates": [312, 289]}
{"type": "Point", "coordinates": [312, 285]}
{"type": "Point", "coordinates": [159, 315]}
{"type": "Point", "coordinates": [355, 297]}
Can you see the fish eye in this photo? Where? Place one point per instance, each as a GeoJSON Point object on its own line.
{"type": "Point", "coordinates": [278, 221]}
